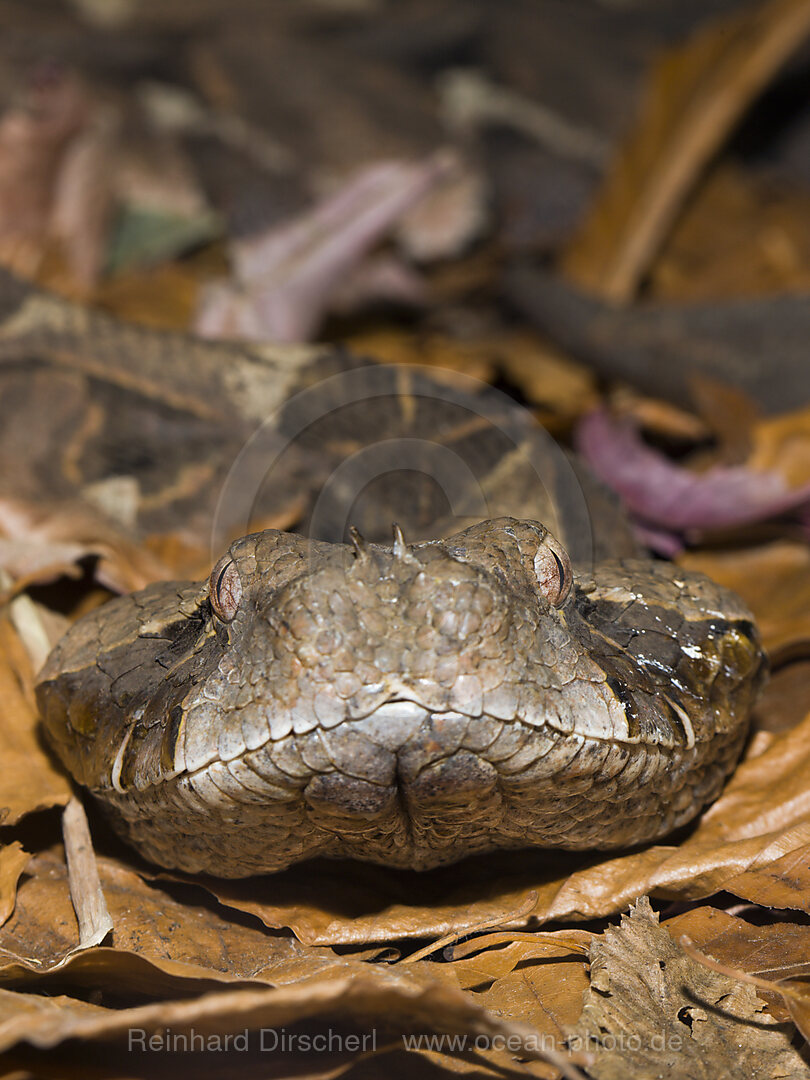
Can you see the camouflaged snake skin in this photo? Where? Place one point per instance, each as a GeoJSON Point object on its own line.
{"type": "Point", "coordinates": [403, 705]}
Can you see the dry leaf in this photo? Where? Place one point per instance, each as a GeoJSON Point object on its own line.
{"type": "Point", "coordinates": [697, 94]}
{"type": "Point", "coordinates": [530, 978]}
{"type": "Point", "coordinates": [676, 499]}
{"type": "Point", "coordinates": [13, 860]}
{"type": "Point", "coordinates": [728, 413]}
{"type": "Point", "coordinates": [29, 781]}
{"type": "Point", "coordinates": [287, 276]}
{"type": "Point", "coordinates": [23, 1012]}
{"type": "Point", "coordinates": [752, 837]}
{"type": "Point", "coordinates": [652, 1010]}
{"type": "Point", "coordinates": [161, 946]}
{"type": "Point", "coordinates": [786, 699]}
{"type": "Point", "coordinates": [782, 443]}
{"type": "Point", "coordinates": [389, 1004]}
{"type": "Point", "coordinates": [164, 296]}
{"type": "Point", "coordinates": [776, 882]}
{"type": "Point", "coordinates": [738, 235]}
{"type": "Point", "coordinates": [775, 951]}
{"type": "Point", "coordinates": [43, 541]}
{"type": "Point", "coordinates": [657, 416]}
{"type": "Point", "coordinates": [443, 355]}
{"type": "Point", "coordinates": [795, 995]}
{"type": "Point", "coordinates": [559, 388]}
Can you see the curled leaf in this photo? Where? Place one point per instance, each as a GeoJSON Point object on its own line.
{"type": "Point", "coordinates": [287, 277]}
{"type": "Point", "coordinates": [667, 496]}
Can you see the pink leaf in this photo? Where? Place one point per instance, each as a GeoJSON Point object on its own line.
{"type": "Point", "coordinates": [671, 497]}
{"type": "Point", "coordinates": [288, 276]}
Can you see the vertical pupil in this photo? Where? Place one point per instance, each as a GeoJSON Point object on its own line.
{"type": "Point", "coordinates": [225, 591]}
{"type": "Point", "coordinates": [222, 574]}
{"type": "Point", "coordinates": [560, 569]}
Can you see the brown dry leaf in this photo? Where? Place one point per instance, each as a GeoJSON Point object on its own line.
{"type": "Point", "coordinates": [387, 1004]}
{"type": "Point", "coordinates": [29, 781]}
{"type": "Point", "coordinates": [774, 580]}
{"type": "Point", "coordinates": [187, 559]}
{"type": "Point", "coordinates": [696, 95]}
{"type": "Point", "coordinates": [328, 902]}
{"type": "Point", "coordinates": [13, 860]}
{"type": "Point", "coordinates": [437, 352]}
{"type": "Point", "coordinates": [786, 699]}
{"type": "Point", "coordinates": [795, 995]}
{"type": "Point", "coordinates": [456, 281]}
{"type": "Point", "coordinates": [560, 388]}
{"type": "Point", "coordinates": [451, 940]}
{"type": "Point", "coordinates": [781, 882]}
{"type": "Point", "coordinates": [757, 830]}
{"type": "Point", "coordinates": [41, 542]}
{"type": "Point", "coordinates": [774, 951]}
{"type": "Point", "coordinates": [797, 998]}
{"type": "Point", "coordinates": [557, 386]}
{"type": "Point", "coordinates": [729, 413]}
{"type": "Point", "coordinates": [548, 943]}
{"type": "Point", "coordinates": [657, 416]}
{"type": "Point", "coordinates": [38, 627]}
{"type": "Point", "coordinates": [18, 1010]}
{"type": "Point", "coordinates": [739, 235]}
{"type": "Point", "coordinates": [160, 945]}
{"type": "Point", "coordinates": [163, 296]}
{"type": "Point", "coordinates": [782, 443]}
{"type": "Point", "coordinates": [652, 1010]}
{"type": "Point", "coordinates": [538, 981]}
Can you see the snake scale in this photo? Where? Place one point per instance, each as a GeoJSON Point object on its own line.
{"type": "Point", "coordinates": [405, 703]}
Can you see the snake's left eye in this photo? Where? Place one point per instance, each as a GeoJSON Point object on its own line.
{"type": "Point", "coordinates": [225, 589]}
{"type": "Point", "coordinates": [553, 570]}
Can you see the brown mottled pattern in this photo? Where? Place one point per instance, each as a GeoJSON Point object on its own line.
{"type": "Point", "coordinates": [407, 706]}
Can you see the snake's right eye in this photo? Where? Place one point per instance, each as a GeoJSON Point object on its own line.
{"type": "Point", "coordinates": [225, 589]}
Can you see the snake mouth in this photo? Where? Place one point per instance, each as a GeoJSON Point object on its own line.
{"type": "Point", "coordinates": [403, 720]}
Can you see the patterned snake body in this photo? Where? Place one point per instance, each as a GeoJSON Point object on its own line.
{"type": "Point", "coordinates": [406, 705]}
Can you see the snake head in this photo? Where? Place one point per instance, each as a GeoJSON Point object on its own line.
{"type": "Point", "coordinates": [406, 704]}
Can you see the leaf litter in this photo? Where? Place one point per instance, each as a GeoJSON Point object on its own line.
{"type": "Point", "coordinates": [652, 1007]}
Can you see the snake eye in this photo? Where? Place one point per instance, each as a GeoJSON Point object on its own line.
{"type": "Point", "coordinates": [225, 589]}
{"type": "Point", "coordinates": [553, 569]}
